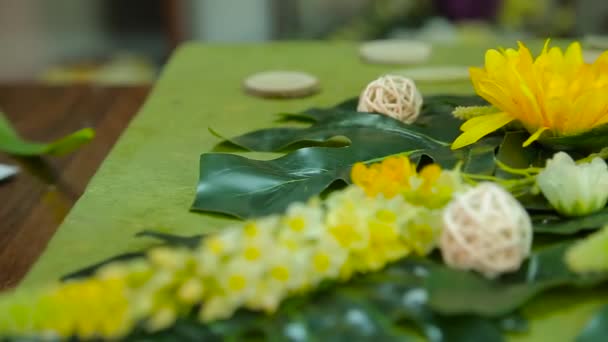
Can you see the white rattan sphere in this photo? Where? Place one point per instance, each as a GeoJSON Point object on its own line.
{"type": "Point", "coordinates": [487, 230]}
{"type": "Point", "coordinates": [392, 95]}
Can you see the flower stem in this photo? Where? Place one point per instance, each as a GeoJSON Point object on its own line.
{"type": "Point", "coordinates": [603, 153]}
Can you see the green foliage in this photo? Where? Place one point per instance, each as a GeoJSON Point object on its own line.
{"type": "Point", "coordinates": [11, 143]}
{"type": "Point", "coordinates": [591, 141]}
{"type": "Point", "coordinates": [550, 223]}
{"type": "Point", "coordinates": [473, 294]}
{"type": "Point", "coordinates": [597, 328]}
{"type": "Point", "coordinates": [163, 238]}
{"type": "Point", "coordinates": [412, 297]}
{"type": "Point", "coordinates": [316, 159]}
{"type": "Point", "coordinates": [242, 187]}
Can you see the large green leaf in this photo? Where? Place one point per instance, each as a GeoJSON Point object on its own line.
{"type": "Point", "coordinates": [234, 185]}
{"type": "Point", "coordinates": [456, 292]}
{"type": "Point", "coordinates": [544, 217]}
{"type": "Point", "coordinates": [555, 224]}
{"type": "Point", "coordinates": [11, 143]}
{"type": "Point", "coordinates": [243, 187]}
{"type": "Point", "coordinates": [163, 238]}
{"type": "Point", "coordinates": [593, 140]}
{"type": "Point", "coordinates": [435, 123]}
{"type": "Point", "coordinates": [514, 155]}
{"type": "Point", "coordinates": [597, 328]}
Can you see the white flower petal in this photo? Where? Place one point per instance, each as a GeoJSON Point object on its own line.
{"type": "Point", "coordinates": [574, 190]}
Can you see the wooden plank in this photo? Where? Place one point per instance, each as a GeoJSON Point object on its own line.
{"type": "Point", "coordinates": [34, 203]}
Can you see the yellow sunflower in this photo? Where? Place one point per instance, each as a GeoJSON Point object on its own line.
{"type": "Point", "coordinates": [555, 95]}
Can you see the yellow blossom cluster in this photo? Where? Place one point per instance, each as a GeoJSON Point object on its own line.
{"type": "Point", "coordinates": [431, 187]}
{"type": "Point", "coordinates": [96, 307]}
{"type": "Point", "coordinates": [253, 265]}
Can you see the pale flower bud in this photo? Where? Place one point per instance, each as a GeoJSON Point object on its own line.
{"type": "Point", "coordinates": [191, 291]}
{"type": "Point", "coordinates": [574, 189]}
{"type": "Point", "coordinates": [167, 258]}
{"type": "Point", "coordinates": [161, 319]}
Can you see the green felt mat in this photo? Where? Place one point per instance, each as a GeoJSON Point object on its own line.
{"type": "Point", "coordinates": [148, 180]}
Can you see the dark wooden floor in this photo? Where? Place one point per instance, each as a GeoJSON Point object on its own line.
{"type": "Point", "coordinates": [34, 203]}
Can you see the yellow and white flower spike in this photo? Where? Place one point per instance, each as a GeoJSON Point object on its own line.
{"type": "Point", "coordinates": [391, 211]}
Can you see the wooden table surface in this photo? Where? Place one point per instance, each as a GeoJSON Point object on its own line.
{"type": "Point", "coordinates": [34, 203]}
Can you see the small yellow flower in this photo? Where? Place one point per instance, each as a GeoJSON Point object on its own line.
{"type": "Point", "coordinates": [251, 229]}
{"type": "Point", "coordinates": [422, 235]}
{"type": "Point", "coordinates": [303, 219]}
{"type": "Point", "coordinates": [429, 174]}
{"type": "Point", "coordinates": [219, 307]}
{"type": "Point", "coordinates": [87, 309]}
{"type": "Point", "coordinates": [321, 262]}
{"type": "Point", "coordinates": [388, 178]}
{"type": "Point", "coordinates": [237, 283]}
{"type": "Point", "coordinates": [215, 245]}
{"type": "Point", "coordinates": [280, 273]}
{"type": "Point", "coordinates": [252, 253]}
{"type": "Point", "coordinates": [191, 291]}
{"type": "Point", "coordinates": [163, 318]}
{"type": "Point", "coordinates": [557, 94]}
{"type": "Point", "coordinates": [432, 187]}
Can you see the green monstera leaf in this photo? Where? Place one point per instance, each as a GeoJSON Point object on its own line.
{"type": "Point", "coordinates": [435, 123]}
{"type": "Point", "coordinates": [163, 239]}
{"type": "Point", "coordinates": [593, 140]}
{"type": "Point", "coordinates": [469, 293]}
{"type": "Point", "coordinates": [242, 187]}
{"type": "Point", "coordinates": [555, 224]}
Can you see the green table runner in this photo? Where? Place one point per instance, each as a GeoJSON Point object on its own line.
{"type": "Point", "coordinates": [148, 180]}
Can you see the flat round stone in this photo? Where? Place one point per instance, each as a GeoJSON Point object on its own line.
{"type": "Point", "coordinates": [281, 84]}
{"type": "Point", "coordinates": [435, 73]}
{"type": "Point", "coordinates": [395, 51]}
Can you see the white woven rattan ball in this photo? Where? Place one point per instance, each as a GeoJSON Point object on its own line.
{"type": "Point", "coordinates": [487, 230]}
{"type": "Point", "coordinates": [392, 95]}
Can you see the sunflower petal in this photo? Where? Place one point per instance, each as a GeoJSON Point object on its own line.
{"type": "Point", "coordinates": [574, 57]}
{"type": "Point", "coordinates": [534, 136]}
{"type": "Point", "coordinates": [478, 127]}
{"type": "Point", "coordinates": [556, 91]}
{"type": "Point", "coordinates": [495, 61]}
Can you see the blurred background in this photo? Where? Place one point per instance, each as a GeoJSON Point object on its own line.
{"type": "Point", "coordinates": [127, 42]}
